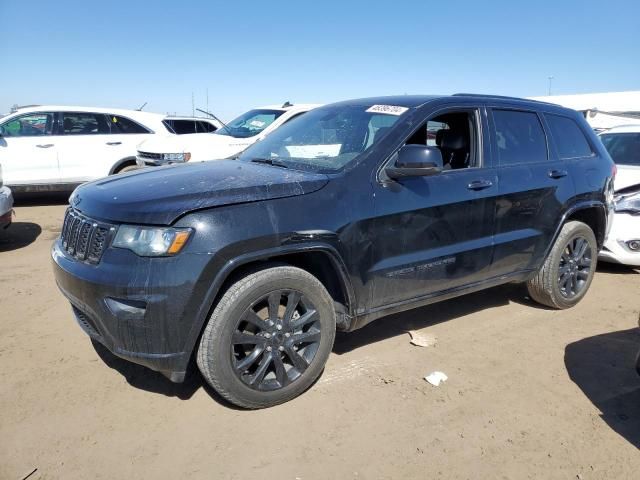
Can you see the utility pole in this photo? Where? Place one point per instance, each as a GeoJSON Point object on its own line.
{"type": "Point", "coordinates": [550, 78]}
{"type": "Point", "coordinates": [207, 100]}
{"type": "Point", "coordinates": [193, 106]}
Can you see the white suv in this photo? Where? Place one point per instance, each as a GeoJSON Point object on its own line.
{"type": "Point", "coordinates": [623, 241]}
{"type": "Point", "coordinates": [229, 140]}
{"type": "Point", "coordinates": [57, 148]}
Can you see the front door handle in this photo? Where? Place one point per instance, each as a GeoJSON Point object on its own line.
{"type": "Point", "coordinates": [114, 143]}
{"type": "Point", "coordinates": [557, 173]}
{"type": "Point", "coordinates": [45, 145]}
{"type": "Point", "coordinates": [480, 184]}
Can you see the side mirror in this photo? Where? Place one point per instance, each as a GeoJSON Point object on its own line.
{"type": "Point", "coordinates": [1, 131]}
{"type": "Point", "coordinates": [415, 161]}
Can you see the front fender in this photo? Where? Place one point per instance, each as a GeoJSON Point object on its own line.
{"type": "Point", "coordinates": [295, 244]}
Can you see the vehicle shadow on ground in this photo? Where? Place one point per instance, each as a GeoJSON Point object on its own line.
{"type": "Point", "coordinates": [19, 235]}
{"type": "Point", "coordinates": [617, 269]}
{"type": "Point", "coordinates": [145, 379]}
{"type": "Point", "coordinates": [40, 198]}
{"type": "Point", "coordinates": [401, 323]}
{"type": "Point", "coordinates": [603, 367]}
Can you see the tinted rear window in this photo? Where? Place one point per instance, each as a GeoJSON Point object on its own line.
{"type": "Point", "coordinates": [180, 127]}
{"type": "Point", "coordinates": [624, 148]}
{"type": "Point", "coordinates": [569, 139]}
{"type": "Point", "coordinates": [519, 137]}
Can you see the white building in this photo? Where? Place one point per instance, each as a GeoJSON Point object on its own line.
{"type": "Point", "coordinates": [602, 110]}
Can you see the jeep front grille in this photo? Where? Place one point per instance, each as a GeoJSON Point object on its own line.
{"type": "Point", "coordinates": [83, 238]}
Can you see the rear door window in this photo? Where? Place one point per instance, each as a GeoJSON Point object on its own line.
{"type": "Point", "coordinates": [82, 123]}
{"type": "Point", "coordinates": [519, 137]}
{"type": "Point", "coordinates": [568, 137]}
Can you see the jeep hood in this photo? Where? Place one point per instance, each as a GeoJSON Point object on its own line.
{"type": "Point", "coordinates": [159, 195]}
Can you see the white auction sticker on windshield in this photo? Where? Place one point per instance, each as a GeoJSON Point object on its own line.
{"type": "Point", "coordinates": [388, 109]}
{"type": "Point", "coordinates": [314, 151]}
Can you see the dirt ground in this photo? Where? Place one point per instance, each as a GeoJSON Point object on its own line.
{"type": "Point", "coordinates": [532, 393]}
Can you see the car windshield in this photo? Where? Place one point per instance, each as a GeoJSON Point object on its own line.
{"type": "Point", "coordinates": [250, 124]}
{"type": "Point", "coordinates": [326, 139]}
{"type": "Point", "coordinates": [624, 148]}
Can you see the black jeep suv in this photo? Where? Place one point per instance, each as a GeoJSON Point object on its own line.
{"type": "Point", "coordinates": [353, 211]}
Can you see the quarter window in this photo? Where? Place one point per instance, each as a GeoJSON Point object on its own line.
{"type": "Point", "coordinates": [569, 139]}
{"type": "Point", "coordinates": [84, 124]}
{"type": "Point", "coordinates": [519, 137]}
{"type": "Point", "coordinates": [124, 125]}
{"type": "Point", "coordinates": [29, 125]}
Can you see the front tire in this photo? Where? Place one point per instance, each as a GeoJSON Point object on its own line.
{"type": "Point", "coordinates": [268, 337]}
{"type": "Point", "coordinates": [128, 168]}
{"type": "Point", "coordinates": [565, 276]}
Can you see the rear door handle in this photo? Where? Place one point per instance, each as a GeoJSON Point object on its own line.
{"type": "Point", "coordinates": [480, 184]}
{"type": "Point", "coordinates": [557, 173]}
{"type": "Point", "coordinates": [45, 145]}
{"type": "Point", "coordinates": [114, 143]}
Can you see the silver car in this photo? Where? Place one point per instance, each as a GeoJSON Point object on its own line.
{"type": "Point", "coordinates": [6, 204]}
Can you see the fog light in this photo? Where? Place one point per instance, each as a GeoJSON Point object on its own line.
{"type": "Point", "coordinates": [634, 245]}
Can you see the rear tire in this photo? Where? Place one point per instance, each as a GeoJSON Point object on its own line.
{"type": "Point", "coordinates": [268, 337]}
{"type": "Point", "coordinates": [565, 276]}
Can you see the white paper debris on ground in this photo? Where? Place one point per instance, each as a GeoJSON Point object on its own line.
{"type": "Point", "coordinates": [436, 378]}
{"type": "Point", "coordinates": [422, 339]}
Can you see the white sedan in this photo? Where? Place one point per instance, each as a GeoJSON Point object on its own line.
{"type": "Point", "coordinates": [225, 142]}
{"type": "Point", "coordinates": [623, 242]}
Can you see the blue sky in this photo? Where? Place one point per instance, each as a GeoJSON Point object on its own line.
{"type": "Point", "coordinates": [125, 53]}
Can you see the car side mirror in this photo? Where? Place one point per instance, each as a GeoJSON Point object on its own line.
{"type": "Point", "coordinates": [1, 131]}
{"type": "Point", "coordinates": [415, 161]}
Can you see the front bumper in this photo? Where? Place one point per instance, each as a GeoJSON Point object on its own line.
{"type": "Point", "coordinates": [624, 227]}
{"type": "Point", "coordinates": [142, 309]}
{"type": "Point", "coordinates": [155, 162]}
{"type": "Point", "coordinates": [6, 207]}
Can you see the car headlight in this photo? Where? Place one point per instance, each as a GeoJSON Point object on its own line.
{"type": "Point", "coordinates": [177, 157]}
{"type": "Point", "coordinates": [151, 241]}
{"type": "Point", "coordinates": [628, 203]}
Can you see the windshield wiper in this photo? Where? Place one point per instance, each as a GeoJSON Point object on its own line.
{"type": "Point", "coordinates": [270, 161]}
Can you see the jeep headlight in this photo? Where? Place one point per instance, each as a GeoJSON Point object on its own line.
{"type": "Point", "coordinates": [176, 157]}
{"type": "Point", "coordinates": [628, 203]}
{"type": "Point", "coordinates": [151, 241]}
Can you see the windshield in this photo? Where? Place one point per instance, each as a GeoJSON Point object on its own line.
{"type": "Point", "coordinates": [250, 124]}
{"type": "Point", "coordinates": [325, 139]}
{"type": "Point", "coordinates": [624, 148]}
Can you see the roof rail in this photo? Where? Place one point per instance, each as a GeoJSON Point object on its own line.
{"type": "Point", "coordinates": [503, 97]}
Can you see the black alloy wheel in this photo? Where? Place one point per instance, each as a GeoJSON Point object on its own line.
{"type": "Point", "coordinates": [575, 267]}
{"type": "Point", "coordinates": [275, 340]}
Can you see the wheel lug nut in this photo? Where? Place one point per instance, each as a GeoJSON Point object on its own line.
{"type": "Point", "coordinates": [281, 348]}
{"type": "Point", "coordinates": [271, 323]}
{"type": "Point", "coordinates": [269, 348]}
{"type": "Point", "coordinates": [287, 334]}
{"type": "Point", "coordinates": [278, 327]}
{"type": "Point", "coordinates": [267, 335]}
